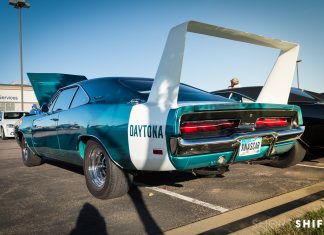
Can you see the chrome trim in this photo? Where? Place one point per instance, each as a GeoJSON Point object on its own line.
{"type": "Point", "coordinates": [185, 147]}
{"type": "Point", "coordinates": [25, 151]}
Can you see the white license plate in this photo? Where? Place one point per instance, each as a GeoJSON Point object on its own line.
{"type": "Point", "coordinates": [250, 146]}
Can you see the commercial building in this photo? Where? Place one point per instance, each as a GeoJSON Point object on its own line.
{"type": "Point", "coordinates": [10, 97]}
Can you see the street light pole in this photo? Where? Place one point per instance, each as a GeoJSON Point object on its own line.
{"type": "Point", "coordinates": [298, 61]}
{"type": "Point", "coordinates": [21, 61]}
{"type": "Point", "coordinates": [18, 4]}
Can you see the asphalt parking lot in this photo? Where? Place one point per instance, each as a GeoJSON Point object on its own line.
{"type": "Point", "coordinates": [53, 198]}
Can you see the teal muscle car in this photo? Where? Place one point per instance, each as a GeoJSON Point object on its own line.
{"type": "Point", "coordinates": [115, 126]}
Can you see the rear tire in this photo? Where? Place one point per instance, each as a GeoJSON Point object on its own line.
{"type": "Point", "coordinates": [104, 179]}
{"type": "Point", "coordinates": [3, 135]}
{"type": "Point", "coordinates": [295, 155]}
{"type": "Point", "coordinates": [29, 158]}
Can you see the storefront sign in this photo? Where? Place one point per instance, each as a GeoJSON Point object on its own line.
{"type": "Point", "coordinates": [4, 98]}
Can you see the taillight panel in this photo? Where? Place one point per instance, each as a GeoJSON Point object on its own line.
{"type": "Point", "coordinates": [215, 124]}
{"type": "Point", "coordinates": [273, 122]}
{"type": "Point", "coordinates": [194, 127]}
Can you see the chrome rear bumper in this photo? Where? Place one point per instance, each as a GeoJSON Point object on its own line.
{"type": "Point", "coordinates": [186, 147]}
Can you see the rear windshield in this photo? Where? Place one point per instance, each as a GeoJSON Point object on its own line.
{"type": "Point", "coordinates": [300, 95]}
{"type": "Point", "coordinates": [186, 93]}
{"type": "Point", "coordinates": [13, 115]}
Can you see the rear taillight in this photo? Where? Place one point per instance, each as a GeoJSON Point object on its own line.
{"type": "Point", "coordinates": [206, 126]}
{"type": "Point", "coordinates": [272, 122]}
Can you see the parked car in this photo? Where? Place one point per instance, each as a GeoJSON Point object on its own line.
{"type": "Point", "coordinates": [95, 124]}
{"type": "Point", "coordinates": [7, 121]}
{"type": "Point", "coordinates": [116, 126]}
{"type": "Point", "coordinates": [311, 104]}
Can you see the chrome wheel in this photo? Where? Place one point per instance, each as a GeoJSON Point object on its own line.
{"type": "Point", "coordinates": [103, 177]}
{"type": "Point", "coordinates": [97, 167]}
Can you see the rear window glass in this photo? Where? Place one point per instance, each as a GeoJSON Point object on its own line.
{"type": "Point", "coordinates": [186, 93]}
{"type": "Point", "coordinates": [13, 115]}
{"type": "Point", "coordinates": [300, 95]}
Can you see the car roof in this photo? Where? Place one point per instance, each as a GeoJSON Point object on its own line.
{"type": "Point", "coordinates": [296, 94]}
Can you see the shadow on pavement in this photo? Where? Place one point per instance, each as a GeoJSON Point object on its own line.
{"type": "Point", "coordinates": [173, 178]}
{"type": "Point", "coordinates": [90, 222]}
{"type": "Point", "coordinates": [64, 165]}
{"type": "Point", "coordinates": [150, 225]}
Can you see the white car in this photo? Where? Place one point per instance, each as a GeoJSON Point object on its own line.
{"type": "Point", "coordinates": [7, 121]}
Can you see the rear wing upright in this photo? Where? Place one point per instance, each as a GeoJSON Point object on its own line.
{"type": "Point", "coordinates": [276, 89]}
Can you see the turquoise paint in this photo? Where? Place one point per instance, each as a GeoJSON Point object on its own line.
{"type": "Point", "coordinates": [199, 161]}
{"type": "Point", "coordinates": [208, 160]}
{"type": "Point", "coordinates": [107, 120]}
{"type": "Point", "coordinates": [82, 147]}
{"type": "Point", "coordinates": [177, 113]}
{"type": "Point", "coordinates": [109, 124]}
{"type": "Point", "coordinates": [26, 129]}
{"type": "Point", "coordinates": [283, 147]}
{"type": "Point", "coordinates": [45, 85]}
{"type": "Point", "coordinates": [205, 160]}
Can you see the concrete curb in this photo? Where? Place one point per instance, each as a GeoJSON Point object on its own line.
{"type": "Point", "coordinates": [282, 219]}
{"type": "Point", "coordinates": [216, 224]}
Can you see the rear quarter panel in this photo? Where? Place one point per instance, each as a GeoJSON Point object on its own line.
{"type": "Point", "coordinates": [109, 124]}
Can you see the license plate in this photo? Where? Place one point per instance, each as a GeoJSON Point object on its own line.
{"type": "Point", "coordinates": [250, 146]}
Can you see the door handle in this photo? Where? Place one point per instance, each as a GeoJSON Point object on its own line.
{"type": "Point", "coordinates": [54, 119]}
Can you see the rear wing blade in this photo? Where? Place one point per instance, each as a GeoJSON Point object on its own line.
{"type": "Point", "coordinates": [45, 85]}
{"type": "Point", "coordinates": [276, 89]}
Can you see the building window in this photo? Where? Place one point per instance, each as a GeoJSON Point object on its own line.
{"type": "Point", "coordinates": [7, 106]}
{"type": "Point", "coordinates": [10, 106]}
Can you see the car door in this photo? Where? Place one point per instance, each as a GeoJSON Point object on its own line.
{"type": "Point", "coordinates": [44, 129]}
{"type": "Point", "coordinates": [72, 123]}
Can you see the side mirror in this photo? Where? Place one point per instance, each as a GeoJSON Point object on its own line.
{"type": "Point", "coordinates": [44, 108]}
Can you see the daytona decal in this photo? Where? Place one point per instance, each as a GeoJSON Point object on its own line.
{"type": "Point", "coordinates": [146, 133]}
{"type": "Point", "coordinates": [150, 131]}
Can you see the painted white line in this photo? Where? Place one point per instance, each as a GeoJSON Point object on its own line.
{"type": "Point", "coordinates": [321, 167]}
{"type": "Point", "coordinates": [189, 199]}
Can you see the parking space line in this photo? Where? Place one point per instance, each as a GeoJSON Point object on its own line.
{"type": "Point", "coordinates": [189, 199]}
{"type": "Point", "coordinates": [320, 167]}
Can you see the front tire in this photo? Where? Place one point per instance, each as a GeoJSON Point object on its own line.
{"type": "Point", "coordinates": [295, 155]}
{"type": "Point", "coordinates": [3, 135]}
{"type": "Point", "coordinates": [104, 179]}
{"type": "Point", "coordinates": [29, 158]}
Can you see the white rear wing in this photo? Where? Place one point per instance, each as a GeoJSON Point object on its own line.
{"type": "Point", "coordinates": [276, 89]}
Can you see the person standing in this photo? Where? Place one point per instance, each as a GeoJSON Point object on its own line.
{"type": "Point", "coordinates": [235, 83]}
{"type": "Point", "coordinates": [34, 110]}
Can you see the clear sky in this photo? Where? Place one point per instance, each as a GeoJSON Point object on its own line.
{"type": "Point", "coordinates": [126, 38]}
